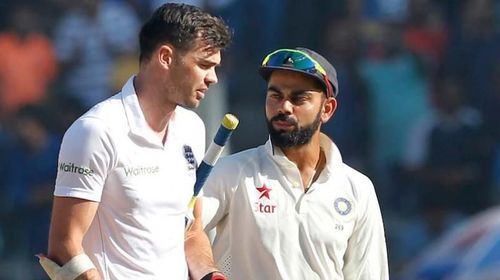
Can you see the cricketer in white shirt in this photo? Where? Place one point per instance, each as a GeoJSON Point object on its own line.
{"type": "Point", "coordinates": [267, 227]}
{"type": "Point", "coordinates": [143, 187]}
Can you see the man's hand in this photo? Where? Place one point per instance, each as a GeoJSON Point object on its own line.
{"type": "Point", "coordinates": [198, 248]}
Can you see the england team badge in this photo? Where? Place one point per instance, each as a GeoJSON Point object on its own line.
{"type": "Point", "coordinates": [189, 156]}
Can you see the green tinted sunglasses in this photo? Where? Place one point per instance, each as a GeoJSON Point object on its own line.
{"type": "Point", "coordinates": [298, 60]}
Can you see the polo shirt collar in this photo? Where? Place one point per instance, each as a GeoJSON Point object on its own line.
{"type": "Point", "coordinates": [332, 153]}
{"type": "Point", "coordinates": [135, 117]}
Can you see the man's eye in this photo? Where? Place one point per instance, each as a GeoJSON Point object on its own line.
{"type": "Point", "coordinates": [299, 99]}
{"type": "Point", "coordinates": [273, 94]}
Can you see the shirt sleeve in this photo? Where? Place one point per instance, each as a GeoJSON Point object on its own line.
{"type": "Point", "coordinates": [84, 160]}
{"type": "Point", "coordinates": [366, 254]}
{"type": "Point", "coordinates": [217, 193]}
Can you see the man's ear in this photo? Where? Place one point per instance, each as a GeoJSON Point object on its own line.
{"type": "Point", "coordinates": [165, 55]}
{"type": "Point", "coordinates": [329, 108]}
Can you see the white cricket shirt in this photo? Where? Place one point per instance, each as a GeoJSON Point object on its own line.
{"type": "Point", "coordinates": [268, 228]}
{"type": "Point", "coordinates": [143, 187]}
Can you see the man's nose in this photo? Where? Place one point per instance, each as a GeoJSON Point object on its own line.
{"type": "Point", "coordinates": [211, 77]}
{"type": "Point", "coordinates": [286, 107]}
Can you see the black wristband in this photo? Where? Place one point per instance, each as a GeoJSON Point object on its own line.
{"type": "Point", "coordinates": [215, 275]}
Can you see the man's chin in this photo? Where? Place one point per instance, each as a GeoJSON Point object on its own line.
{"type": "Point", "coordinates": [190, 105]}
{"type": "Point", "coordinates": [281, 139]}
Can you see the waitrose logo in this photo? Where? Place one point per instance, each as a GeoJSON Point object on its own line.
{"type": "Point", "coordinates": [72, 168]}
{"type": "Point", "coordinates": [141, 170]}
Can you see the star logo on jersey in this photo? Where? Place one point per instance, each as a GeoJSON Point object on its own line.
{"type": "Point", "coordinates": [265, 207]}
{"type": "Point", "coordinates": [264, 191]}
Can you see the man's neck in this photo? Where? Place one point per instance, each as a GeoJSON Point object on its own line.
{"type": "Point", "coordinates": [155, 109]}
{"type": "Point", "coordinates": [309, 158]}
{"type": "Point", "coordinates": [305, 156]}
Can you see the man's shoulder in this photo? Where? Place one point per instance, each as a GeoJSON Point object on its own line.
{"type": "Point", "coordinates": [102, 115]}
{"type": "Point", "coordinates": [363, 190]}
{"type": "Point", "coordinates": [239, 160]}
{"type": "Point", "coordinates": [106, 108]}
{"type": "Point", "coordinates": [186, 115]}
{"type": "Point", "coordinates": [358, 180]}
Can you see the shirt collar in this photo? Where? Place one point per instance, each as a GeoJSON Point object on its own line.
{"type": "Point", "coordinates": [133, 112]}
{"type": "Point", "coordinates": [135, 117]}
{"type": "Point", "coordinates": [332, 153]}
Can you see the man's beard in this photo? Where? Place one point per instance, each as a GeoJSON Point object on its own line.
{"type": "Point", "coordinates": [299, 136]}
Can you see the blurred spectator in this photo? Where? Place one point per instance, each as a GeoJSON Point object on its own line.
{"type": "Point", "coordinates": [349, 127]}
{"type": "Point", "coordinates": [32, 165]}
{"type": "Point", "coordinates": [397, 92]}
{"type": "Point", "coordinates": [27, 64]}
{"type": "Point", "coordinates": [447, 158]}
{"type": "Point", "coordinates": [426, 34]}
{"type": "Point", "coordinates": [30, 178]}
{"type": "Point", "coordinates": [89, 39]}
{"type": "Point", "coordinates": [473, 49]}
{"type": "Point", "coordinates": [445, 171]}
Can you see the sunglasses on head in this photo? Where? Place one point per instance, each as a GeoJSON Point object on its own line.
{"type": "Point", "coordinates": [298, 60]}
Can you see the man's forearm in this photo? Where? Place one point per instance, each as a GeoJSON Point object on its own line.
{"type": "Point", "coordinates": [71, 218]}
{"type": "Point", "coordinates": [199, 255]}
{"type": "Point", "coordinates": [198, 249]}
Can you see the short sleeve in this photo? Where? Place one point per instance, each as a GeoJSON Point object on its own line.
{"type": "Point", "coordinates": [218, 191]}
{"type": "Point", "coordinates": [84, 160]}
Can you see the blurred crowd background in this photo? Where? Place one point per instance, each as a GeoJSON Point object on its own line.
{"type": "Point", "coordinates": [419, 100]}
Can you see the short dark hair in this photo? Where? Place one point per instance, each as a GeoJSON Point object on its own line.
{"type": "Point", "coordinates": [181, 25]}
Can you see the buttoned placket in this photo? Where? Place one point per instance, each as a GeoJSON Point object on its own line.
{"type": "Point", "coordinates": [294, 186]}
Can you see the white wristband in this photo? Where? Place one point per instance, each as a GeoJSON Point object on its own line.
{"type": "Point", "coordinates": [70, 270]}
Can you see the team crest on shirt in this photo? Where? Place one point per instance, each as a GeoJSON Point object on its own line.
{"type": "Point", "coordinates": [264, 203]}
{"type": "Point", "coordinates": [342, 206]}
{"type": "Point", "coordinates": [189, 156]}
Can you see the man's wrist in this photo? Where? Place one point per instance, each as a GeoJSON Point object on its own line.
{"type": "Point", "coordinates": [75, 267]}
{"type": "Point", "coordinates": [214, 275]}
